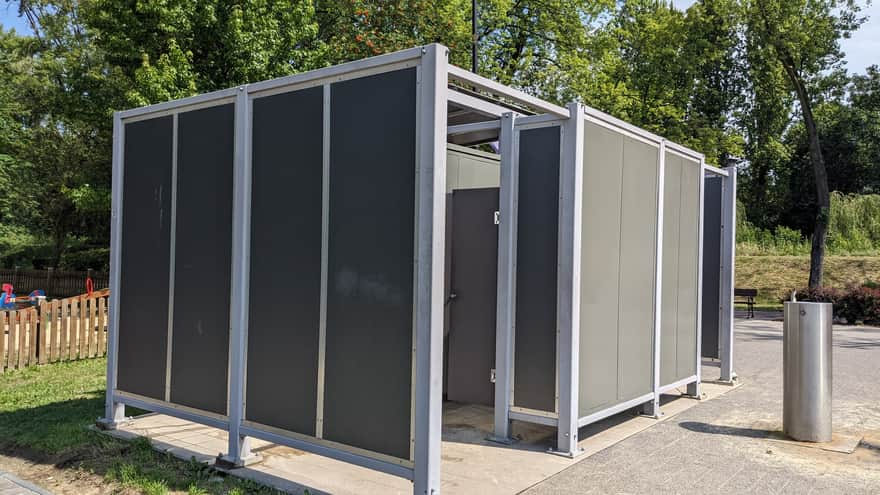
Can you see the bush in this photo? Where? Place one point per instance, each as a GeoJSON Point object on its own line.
{"type": "Point", "coordinates": [95, 258]}
{"type": "Point", "coordinates": [860, 304]}
{"type": "Point", "coordinates": [857, 304]}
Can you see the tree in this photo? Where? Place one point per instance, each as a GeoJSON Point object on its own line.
{"type": "Point", "coordinates": [358, 29]}
{"type": "Point", "coordinates": [805, 39]}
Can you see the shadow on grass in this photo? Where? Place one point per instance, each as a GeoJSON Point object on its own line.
{"type": "Point", "coordinates": [60, 434]}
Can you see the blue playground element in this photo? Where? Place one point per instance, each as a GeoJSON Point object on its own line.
{"type": "Point", "coordinates": [8, 300]}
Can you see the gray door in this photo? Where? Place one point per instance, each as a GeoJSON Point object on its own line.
{"type": "Point", "coordinates": [472, 296]}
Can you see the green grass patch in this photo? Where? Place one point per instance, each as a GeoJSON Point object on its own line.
{"type": "Point", "coordinates": [776, 276]}
{"type": "Point", "coordinates": [46, 413]}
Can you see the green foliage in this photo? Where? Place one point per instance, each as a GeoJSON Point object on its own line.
{"type": "Point", "coordinates": [48, 411]}
{"type": "Point", "coordinates": [854, 229]}
{"type": "Point", "coordinates": [712, 77]}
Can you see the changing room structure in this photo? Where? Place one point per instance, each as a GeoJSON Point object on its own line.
{"type": "Point", "coordinates": [320, 259]}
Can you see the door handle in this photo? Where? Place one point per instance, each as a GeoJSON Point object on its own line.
{"type": "Point", "coordinates": [452, 296]}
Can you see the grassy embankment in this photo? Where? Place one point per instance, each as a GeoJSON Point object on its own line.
{"type": "Point", "coordinates": [45, 417]}
{"type": "Point", "coordinates": [776, 276]}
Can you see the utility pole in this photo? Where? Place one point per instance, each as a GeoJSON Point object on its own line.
{"type": "Point", "coordinates": [474, 44]}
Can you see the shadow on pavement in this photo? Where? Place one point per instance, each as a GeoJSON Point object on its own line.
{"type": "Point", "coordinates": [733, 431]}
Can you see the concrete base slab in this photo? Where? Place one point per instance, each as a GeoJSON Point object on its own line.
{"type": "Point", "coordinates": [844, 444]}
{"type": "Point", "coordinates": [471, 463]}
{"type": "Point", "coordinates": [226, 463]}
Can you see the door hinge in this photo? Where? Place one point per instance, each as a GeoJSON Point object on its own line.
{"type": "Point", "coordinates": [492, 375]}
{"type": "Point", "coordinates": [497, 218]}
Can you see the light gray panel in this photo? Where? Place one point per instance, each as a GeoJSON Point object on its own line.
{"type": "Point", "coordinates": [638, 230]}
{"type": "Point", "coordinates": [600, 262]}
{"type": "Point", "coordinates": [669, 294]}
{"type": "Point", "coordinates": [466, 170]}
{"type": "Point", "coordinates": [688, 262]}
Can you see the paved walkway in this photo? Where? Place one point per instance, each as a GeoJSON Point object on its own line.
{"type": "Point", "coordinates": [10, 485]}
{"type": "Point", "coordinates": [726, 445]}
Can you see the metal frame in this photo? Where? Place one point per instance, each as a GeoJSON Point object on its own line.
{"type": "Point", "coordinates": [519, 125]}
{"type": "Point", "coordinates": [569, 282]}
{"type": "Point", "coordinates": [506, 280]}
{"type": "Point", "coordinates": [434, 93]}
{"type": "Point", "coordinates": [728, 267]}
{"type": "Point", "coordinates": [172, 258]}
{"type": "Point", "coordinates": [239, 452]}
{"type": "Point", "coordinates": [652, 408]}
{"type": "Point", "coordinates": [431, 89]}
{"type": "Point", "coordinates": [325, 259]}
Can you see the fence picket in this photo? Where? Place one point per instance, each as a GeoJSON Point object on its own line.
{"type": "Point", "coordinates": [74, 335]}
{"type": "Point", "coordinates": [93, 327]}
{"type": "Point", "coordinates": [65, 329]}
{"type": "Point", "coordinates": [42, 348]}
{"type": "Point", "coordinates": [19, 337]}
{"type": "Point", "coordinates": [84, 327]}
{"type": "Point", "coordinates": [33, 331]}
{"type": "Point", "coordinates": [102, 319]}
{"type": "Point", "coordinates": [55, 341]}
{"type": "Point", "coordinates": [58, 330]}
{"type": "Point", "coordinates": [3, 317]}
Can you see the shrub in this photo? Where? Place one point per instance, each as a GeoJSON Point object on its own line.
{"type": "Point", "coordinates": [822, 294]}
{"type": "Point", "coordinates": [859, 304]}
{"type": "Point", "coordinates": [856, 304]}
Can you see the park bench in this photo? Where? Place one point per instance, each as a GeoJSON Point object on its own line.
{"type": "Point", "coordinates": [747, 297]}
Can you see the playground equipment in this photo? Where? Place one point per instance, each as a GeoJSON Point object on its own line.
{"type": "Point", "coordinates": [8, 299]}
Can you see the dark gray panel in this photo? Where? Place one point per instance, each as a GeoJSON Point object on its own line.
{"type": "Point", "coordinates": [144, 263]}
{"type": "Point", "coordinates": [285, 290]}
{"type": "Point", "coordinates": [202, 262]}
{"type": "Point", "coordinates": [367, 395]}
{"type": "Point", "coordinates": [711, 266]}
{"type": "Point", "coordinates": [475, 285]}
{"type": "Point", "coordinates": [536, 266]}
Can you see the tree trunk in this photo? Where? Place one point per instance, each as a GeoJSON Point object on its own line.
{"type": "Point", "coordinates": [820, 175]}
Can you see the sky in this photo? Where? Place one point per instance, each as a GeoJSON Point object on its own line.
{"type": "Point", "coordinates": [862, 50]}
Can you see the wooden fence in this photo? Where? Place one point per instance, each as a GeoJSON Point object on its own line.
{"type": "Point", "coordinates": [56, 283]}
{"type": "Point", "coordinates": [59, 330]}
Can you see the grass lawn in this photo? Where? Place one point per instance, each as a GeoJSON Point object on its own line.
{"type": "Point", "coordinates": [45, 415]}
{"type": "Point", "coordinates": [776, 276]}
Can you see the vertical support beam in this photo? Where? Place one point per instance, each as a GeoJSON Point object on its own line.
{"type": "Point", "coordinates": [728, 266]}
{"type": "Point", "coordinates": [693, 389]}
{"type": "Point", "coordinates": [172, 251]}
{"type": "Point", "coordinates": [114, 412]}
{"type": "Point", "coordinates": [239, 453]}
{"type": "Point", "coordinates": [506, 254]}
{"type": "Point", "coordinates": [570, 201]}
{"type": "Point", "coordinates": [653, 408]}
{"type": "Point", "coordinates": [430, 265]}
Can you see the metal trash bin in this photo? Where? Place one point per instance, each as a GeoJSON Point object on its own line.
{"type": "Point", "coordinates": [806, 362]}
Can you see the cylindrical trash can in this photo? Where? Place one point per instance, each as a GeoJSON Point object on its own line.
{"type": "Point", "coordinates": [806, 361]}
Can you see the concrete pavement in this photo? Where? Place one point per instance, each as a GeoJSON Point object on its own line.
{"type": "Point", "coordinates": [728, 445]}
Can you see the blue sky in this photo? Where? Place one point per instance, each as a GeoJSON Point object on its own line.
{"type": "Point", "coordinates": [862, 50]}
